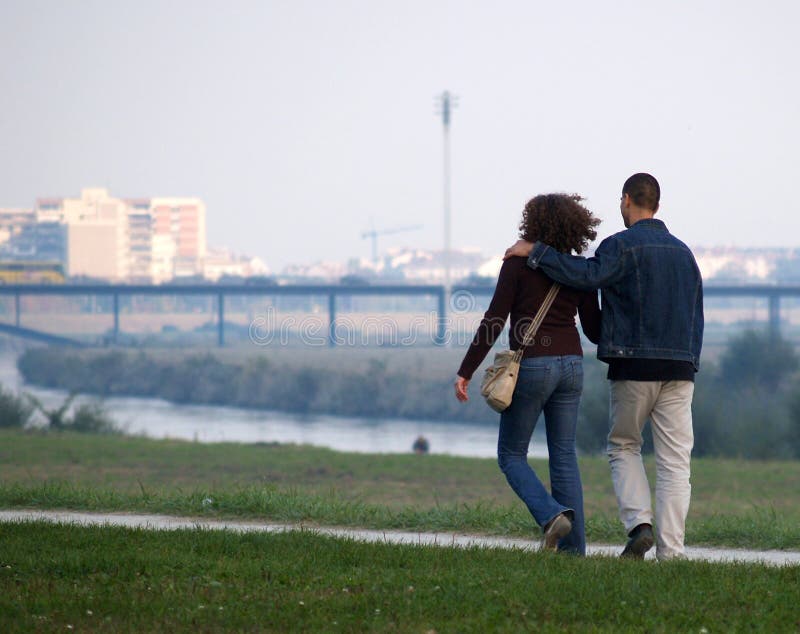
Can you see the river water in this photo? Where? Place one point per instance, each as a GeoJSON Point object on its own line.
{"type": "Point", "coordinates": [157, 418]}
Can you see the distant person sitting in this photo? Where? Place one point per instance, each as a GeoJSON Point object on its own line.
{"type": "Point", "coordinates": [551, 372]}
{"type": "Point", "coordinates": [652, 333]}
{"type": "Point", "coordinates": [421, 445]}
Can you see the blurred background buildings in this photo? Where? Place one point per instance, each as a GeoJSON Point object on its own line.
{"type": "Point", "coordinates": [96, 236]}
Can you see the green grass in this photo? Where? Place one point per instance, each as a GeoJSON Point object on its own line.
{"type": "Point", "coordinates": [735, 503]}
{"type": "Point", "coordinates": [122, 580]}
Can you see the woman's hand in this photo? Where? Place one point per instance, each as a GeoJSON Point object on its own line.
{"type": "Point", "coordinates": [461, 386]}
{"type": "Point", "coordinates": [520, 247]}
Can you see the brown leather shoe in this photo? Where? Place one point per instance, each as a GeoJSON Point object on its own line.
{"type": "Point", "coordinates": [556, 528]}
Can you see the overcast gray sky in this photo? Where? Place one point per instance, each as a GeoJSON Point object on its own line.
{"type": "Point", "coordinates": [298, 121]}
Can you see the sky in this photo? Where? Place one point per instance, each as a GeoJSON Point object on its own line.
{"type": "Point", "coordinates": [301, 123]}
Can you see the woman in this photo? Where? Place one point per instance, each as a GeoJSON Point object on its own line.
{"type": "Point", "coordinates": [551, 371]}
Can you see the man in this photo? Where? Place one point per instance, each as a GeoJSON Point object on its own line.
{"type": "Point", "coordinates": [651, 336]}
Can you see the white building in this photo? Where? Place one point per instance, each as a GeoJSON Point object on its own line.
{"type": "Point", "coordinates": [162, 258]}
{"type": "Point", "coordinates": [221, 262]}
{"type": "Point", "coordinates": [141, 240]}
{"type": "Point", "coordinates": [97, 233]}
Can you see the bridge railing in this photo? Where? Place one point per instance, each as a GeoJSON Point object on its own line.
{"type": "Point", "coordinates": [773, 294]}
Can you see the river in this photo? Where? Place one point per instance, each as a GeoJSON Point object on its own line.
{"type": "Point", "coordinates": [156, 418]}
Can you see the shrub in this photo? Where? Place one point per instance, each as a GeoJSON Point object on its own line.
{"type": "Point", "coordinates": [794, 420]}
{"type": "Point", "coordinates": [744, 423]}
{"type": "Point", "coordinates": [593, 414]}
{"type": "Point", "coordinates": [14, 410]}
{"type": "Point", "coordinates": [757, 359]}
{"type": "Point", "coordinates": [86, 417]}
{"type": "Point", "coordinates": [92, 418]}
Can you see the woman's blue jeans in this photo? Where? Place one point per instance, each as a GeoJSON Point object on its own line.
{"type": "Point", "coordinates": [553, 385]}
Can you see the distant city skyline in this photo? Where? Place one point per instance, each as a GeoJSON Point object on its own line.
{"type": "Point", "coordinates": [299, 124]}
{"type": "Point", "coordinates": [101, 236]}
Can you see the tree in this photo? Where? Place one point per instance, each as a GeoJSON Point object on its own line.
{"type": "Point", "coordinates": [756, 359]}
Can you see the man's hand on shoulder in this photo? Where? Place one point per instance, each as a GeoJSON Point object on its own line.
{"type": "Point", "coordinates": [520, 247]}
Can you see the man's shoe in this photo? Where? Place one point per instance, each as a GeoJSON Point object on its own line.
{"type": "Point", "coordinates": [639, 542]}
{"type": "Point", "coordinates": [558, 527]}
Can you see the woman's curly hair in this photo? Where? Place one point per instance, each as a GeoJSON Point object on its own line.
{"type": "Point", "coordinates": [560, 221]}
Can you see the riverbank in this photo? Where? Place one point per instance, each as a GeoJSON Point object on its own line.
{"type": "Point", "coordinates": [160, 419]}
{"type": "Point", "coordinates": [400, 385]}
{"type": "Point", "coordinates": [738, 409]}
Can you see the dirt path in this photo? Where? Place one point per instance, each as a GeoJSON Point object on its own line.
{"type": "Point", "coordinates": [165, 522]}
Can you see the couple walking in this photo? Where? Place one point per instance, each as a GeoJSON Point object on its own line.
{"type": "Point", "coordinates": [649, 332]}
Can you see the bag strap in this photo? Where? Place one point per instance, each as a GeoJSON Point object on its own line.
{"type": "Point", "coordinates": [537, 320]}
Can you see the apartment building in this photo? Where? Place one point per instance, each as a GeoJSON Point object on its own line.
{"type": "Point", "coordinates": [24, 239]}
{"type": "Point", "coordinates": [97, 236]}
{"type": "Point", "coordinates": [138, 239]}
{"type": "Point", "coordinates": [183, 220]}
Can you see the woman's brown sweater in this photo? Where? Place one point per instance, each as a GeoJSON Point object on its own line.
{"type": "Point", "coordinates": [520, 291]}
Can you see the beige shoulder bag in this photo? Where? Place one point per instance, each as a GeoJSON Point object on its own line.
{"type": "Point", "coordinates": [500, 378]}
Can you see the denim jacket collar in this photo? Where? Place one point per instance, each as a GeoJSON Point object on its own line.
{"type": "Point", "coordinates": [650, 223]}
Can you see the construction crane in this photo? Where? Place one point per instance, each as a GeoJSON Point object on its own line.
{"type": "Point", "coordinates": [374, 233]}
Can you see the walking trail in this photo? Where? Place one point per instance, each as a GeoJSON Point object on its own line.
{"type": "Point", "coordinates": [165, 522]}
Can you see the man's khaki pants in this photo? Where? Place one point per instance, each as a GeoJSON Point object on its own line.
{"type": "Point", "coordinates": [668, 405]}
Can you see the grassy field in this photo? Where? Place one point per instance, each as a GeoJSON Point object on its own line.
{"type": "Point", "coordinates": [735, 503]}
{"type": "Point", "coordinates": [62, 578]}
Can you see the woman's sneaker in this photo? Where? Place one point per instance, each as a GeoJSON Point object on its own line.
{"type": "Point", "coordinates": [639, 542]}
{"type": "Point", "coordinates": [556, 529]}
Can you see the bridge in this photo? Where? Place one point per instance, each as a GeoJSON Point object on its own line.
{"type": "Point", "coordinates": [220, 292]}
{"type": "Point", "coordinates": [438, 294]}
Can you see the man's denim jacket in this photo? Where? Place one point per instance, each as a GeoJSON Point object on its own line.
{"type": "Point", "coordinates": [651, 291]}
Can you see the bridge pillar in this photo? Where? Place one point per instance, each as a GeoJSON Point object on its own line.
{"type": "Point", "coordinates": [115, 309]}
{"type": "Point", "coordinates": [332, 320]}
{"type": "Point", "coordinates": [774, 316]}
{"type": "Point", "coordinates": [441, 317]}
{"type": "Point", "coordinates": [221, 320]}
{"type": "Point", "coordinates": [16, 308]}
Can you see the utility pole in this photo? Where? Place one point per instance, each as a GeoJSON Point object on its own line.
{"type": "Point", "coordinates": [446, 102]}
